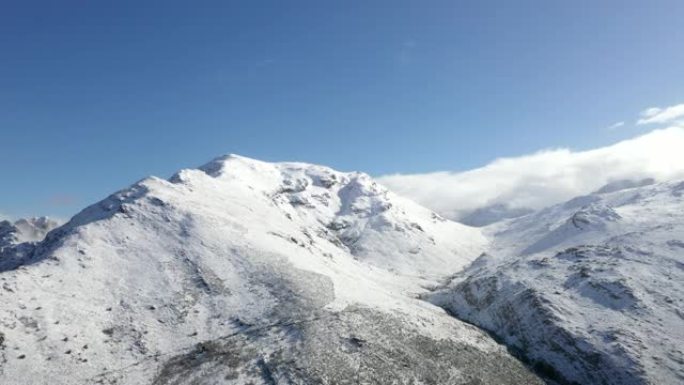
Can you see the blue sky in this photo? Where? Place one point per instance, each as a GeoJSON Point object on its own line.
{"type": "Point", "coordinates": [95, 95]}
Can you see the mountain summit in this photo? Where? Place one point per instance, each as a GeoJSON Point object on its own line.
{"type": "Point", "coordinates": [245, 272]}
{"type": "Point", "coordinates": [248, 272]}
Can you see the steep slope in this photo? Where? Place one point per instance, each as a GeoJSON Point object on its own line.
{"type": "Point", "coordinates": [244, 272]}
{"type": "Point", "coordinates": [590, 291]}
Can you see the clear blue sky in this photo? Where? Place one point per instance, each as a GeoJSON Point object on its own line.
{"type": "Point", "coordinates": [95, 95]}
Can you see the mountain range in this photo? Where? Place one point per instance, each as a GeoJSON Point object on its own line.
{"type": "Point", "coordinates": [248, 272]}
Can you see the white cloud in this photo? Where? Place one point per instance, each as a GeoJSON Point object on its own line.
{"type": "Point", "coordinates": [546, 177]}
{"type": "Point", "coordinates": [616, 125]}
{"type": "Point", "coordinates": [656, 115]}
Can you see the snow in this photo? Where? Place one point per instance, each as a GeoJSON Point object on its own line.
{"type": "Point", "coordinates": [590, 290]}
{"type": "Point", "coordinates": [25, 230]}
{"type": "Point", "coordinates": [247, 272]}
{"type": "Point", "coordinates": [18, 239]}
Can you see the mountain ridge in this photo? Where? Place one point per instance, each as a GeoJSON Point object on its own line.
{"type": "Point", "coordinates": [589, 290]}
{"type": "Point", "coordinates": [243, 271]}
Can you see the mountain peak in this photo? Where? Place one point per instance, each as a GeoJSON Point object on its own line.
{"type": "Point", "coordinates": [241, 268]}
{"type": "Point", "coordinates": [224, 163]}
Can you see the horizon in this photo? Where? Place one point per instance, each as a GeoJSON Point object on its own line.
{"type": "Point", "coordinates": [499, 182]}
{"type": "Point", "coordinates": [96, 97]}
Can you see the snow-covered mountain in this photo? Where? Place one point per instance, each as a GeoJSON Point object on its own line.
{"type": "Point", "coordinates": [25, 230]}
{"type": "Point", "coordinates": [491, 214]}
{"type": "Point", "coordinates": [245, 272]}
{"type": "Point", "coordinates": [19, 238]}
{"type": "Point", "coordinates": [590, 291]}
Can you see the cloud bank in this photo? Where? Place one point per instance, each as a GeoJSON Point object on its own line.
{"type": "Point", "coordinates": [546, 177]}
{"type": "Point", "coordinates": [657, 115]}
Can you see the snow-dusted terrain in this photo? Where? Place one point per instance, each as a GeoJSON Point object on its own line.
{"type": "Point", "coordinates": [590, 291]}
{"type": "Point", "coordinates": [19, 238]}
{"type": "Point", "coordinates": [245, 272]}
{"type": "Point", "coordinates": [25, 230]}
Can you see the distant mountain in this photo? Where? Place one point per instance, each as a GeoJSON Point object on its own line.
{"type": "Point", "coordinates": [624, 184]}
{"type": "Point", "coordinates": [494, 213]}
{"type": "Point", "coordinates": [590, 291]}
{"type": "Point", "coordinates": [25, 230]}
{"type": "Point", "coordinates": [244, 272]}
{"type": "Point", "coordinates": [18, 239]}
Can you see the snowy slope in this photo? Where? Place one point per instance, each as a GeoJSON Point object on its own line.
{"type": "Point", "coordinates": [245, 272]}
{"type": "Point", "coordinates": [591, 291]}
